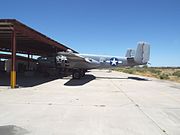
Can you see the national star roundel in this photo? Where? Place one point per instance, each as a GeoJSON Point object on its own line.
{"type": "Point", "coordinates": [113, 61]}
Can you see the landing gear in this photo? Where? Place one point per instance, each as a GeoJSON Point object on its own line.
{"type": "Point", "coordinates": [83, 73]}
{"type": "Point", "coordinates": [78, 73]}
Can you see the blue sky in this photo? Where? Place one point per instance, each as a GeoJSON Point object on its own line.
{"type": "Point", "coordinates": [105, 26]}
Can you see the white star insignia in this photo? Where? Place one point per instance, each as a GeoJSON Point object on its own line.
{"type": "Point", "coordinates": [114, 62]}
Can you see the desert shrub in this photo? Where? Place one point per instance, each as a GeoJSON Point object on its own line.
{"type": "Point", "coordinates": [154, 71]}
{"type": "Point", "coordinates": [145, 66]}
{"type": "Point", "coordinates": [176, 73]}
{"type": "Point", "coordinates": [119, 69]}
{"type": "Point", "coordinates": [140, 70]}
{"type": "Point", "coordinates": [129, 70]}
{"type": "Point", "coordinates": [164, 76]}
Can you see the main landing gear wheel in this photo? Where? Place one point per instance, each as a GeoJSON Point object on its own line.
{"type": "Point", "coordinates": [77, 74]}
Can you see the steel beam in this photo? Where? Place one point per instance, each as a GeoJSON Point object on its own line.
{"type": "Point", "coordinates": [28, 61]}
{"type": "Point", "coordinates": [13, 60]}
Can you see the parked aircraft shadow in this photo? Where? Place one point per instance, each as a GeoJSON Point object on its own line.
{"type": "Point", "coordinates": [124, 78]}
{"type": "Point", "coordinates": [79, 82]}
{"type": "Point", "coordinates": [138, 78]}
{"type": "Point", "coordinates": [88, 78]}
{"type": "Point", "coordinates": [24, 81]}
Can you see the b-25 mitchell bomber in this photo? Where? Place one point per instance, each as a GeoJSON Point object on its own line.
{"type": "Point", "coordinates": [80, 63]}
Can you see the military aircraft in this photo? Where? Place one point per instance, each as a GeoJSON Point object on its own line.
{"type": "Point", "coordinates": [79, 64]}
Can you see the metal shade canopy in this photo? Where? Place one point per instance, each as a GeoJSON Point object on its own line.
{"type": "Point", "coordinates": [16, 37]}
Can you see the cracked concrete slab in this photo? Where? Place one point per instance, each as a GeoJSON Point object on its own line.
{"type": "Point", "coordinates": [104, 103]}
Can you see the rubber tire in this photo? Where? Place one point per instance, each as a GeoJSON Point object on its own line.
{"type": "Point", "coordinates": [76, 74]}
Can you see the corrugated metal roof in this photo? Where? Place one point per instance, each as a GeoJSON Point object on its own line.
{"type": "Point", "coordinates": [28, 40]}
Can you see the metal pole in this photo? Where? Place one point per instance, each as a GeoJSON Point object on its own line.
{"type": "Point", "coordinates": [13, 60]}
{"type": "Point", "coordinates": [28, 61]}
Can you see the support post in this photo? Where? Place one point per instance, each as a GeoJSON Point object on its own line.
{"type": "Point", "coordinates": [13, 60]}
{"type": "Point", "coordinates": [28, 61]}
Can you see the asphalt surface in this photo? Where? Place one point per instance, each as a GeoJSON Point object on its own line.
{"type": "Point", "coordinates": [102, 103]}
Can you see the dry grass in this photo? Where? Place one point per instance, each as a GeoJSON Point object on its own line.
{"type": "Point", "coordinates": [168, 73]}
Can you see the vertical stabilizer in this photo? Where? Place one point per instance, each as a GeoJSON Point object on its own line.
{"type": "Point", "coordinates": [130, 53]}
{"type": "Point", "coordinates": [142, 53]}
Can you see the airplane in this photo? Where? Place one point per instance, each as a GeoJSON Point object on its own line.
{"type": "Point", "coordinates": [79, 64]}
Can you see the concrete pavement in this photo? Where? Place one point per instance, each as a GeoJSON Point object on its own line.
{"type": "Point", "coordinates": [102, 103]}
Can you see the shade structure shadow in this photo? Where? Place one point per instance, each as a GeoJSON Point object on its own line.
{"type": "Point", "coordinates": [26, 81]}
{"type": "Point", "coordinates": [12, 130]}
{"type": "Point", "coordinates": [4, 79]}
{"type": "Point", "coordinates": [79, 82]}
{"type": "Point", "coordinates": [34, 81]}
